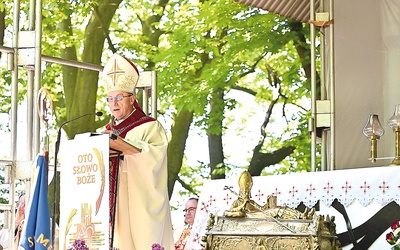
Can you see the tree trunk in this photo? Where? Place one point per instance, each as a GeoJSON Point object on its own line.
{"type": "Point", "coordinates": [85, 87]}
{"type": "Point", "coordinates": [81, 84]}
{"type": "Point", "coordinates": [215, 147]}
{"type": "Point", "coordinates": [176, 147]}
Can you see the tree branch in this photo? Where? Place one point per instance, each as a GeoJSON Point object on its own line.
{"type": "Point", "coordinates": [105, 30]}
{"type": "Point", "coordinates": [186, 186]}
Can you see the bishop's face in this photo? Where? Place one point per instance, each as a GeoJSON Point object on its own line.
{"type": "Point", "coordinates": [120, 104]}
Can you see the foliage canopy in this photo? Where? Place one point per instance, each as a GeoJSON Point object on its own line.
{"type": "Point", "coordinates": [204, 53]}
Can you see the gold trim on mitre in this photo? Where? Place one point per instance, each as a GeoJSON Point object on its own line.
{"type": "Point", "coordinates": [120, 74]}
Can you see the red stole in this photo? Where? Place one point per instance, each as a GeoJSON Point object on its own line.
{"type": "Point", "coordinates": [137, 118]}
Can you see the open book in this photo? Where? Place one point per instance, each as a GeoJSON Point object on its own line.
{"type": "Point", "coordinates": [119, 146]}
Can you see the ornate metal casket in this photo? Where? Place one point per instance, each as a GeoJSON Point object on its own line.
{"type": "Point", "coordinates": [248, 225]}
{"type": "Point", "coordinates": [253, 233]}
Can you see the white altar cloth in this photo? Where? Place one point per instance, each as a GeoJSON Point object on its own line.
{"type": "Point", "coordinates": [364, 187]}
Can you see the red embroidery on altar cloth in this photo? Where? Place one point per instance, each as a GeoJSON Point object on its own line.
{"type": "Point", "coordinates": [365, 187]}
{"type": "Point", "coordinates": [328, 188]}
{"type": "Point", "coordinates": [310, 190]}
{"type": "Point", "coordinates": [383, 187]}
{"type": "Point", "coordinates": [293, 191]}
{"type": "Point", "coordinates": [347, 187]}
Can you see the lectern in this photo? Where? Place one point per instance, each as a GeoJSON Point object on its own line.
{"type": "Point", "coordinates": [85, 189]}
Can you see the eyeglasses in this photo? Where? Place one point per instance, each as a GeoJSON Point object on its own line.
{"type": "Point", "coordinates": [189, 210]}
{"type": "Point", "coordinates": [117, 98]}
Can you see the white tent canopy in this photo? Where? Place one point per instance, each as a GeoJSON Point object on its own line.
{"type": "Point", "coordinates": [295, 9]}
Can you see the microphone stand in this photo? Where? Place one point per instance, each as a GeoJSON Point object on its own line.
{"type": "Point", "coordinates": [57, 148]}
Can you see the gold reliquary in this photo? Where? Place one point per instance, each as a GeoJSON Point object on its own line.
{"type": "Point", "coordinates": [248, 225]}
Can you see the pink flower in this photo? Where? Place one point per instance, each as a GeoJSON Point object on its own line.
{"type": "Point", "coordinates": [395, 225]}
{"type": "Point", "coordinates": [157, 246]}
{"type": "Point", "coordinates": [78, 245]}
{"type": "Point", "coordinates": [391, 239]}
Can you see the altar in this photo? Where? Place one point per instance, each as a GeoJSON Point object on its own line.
{"type": "Point", "coordinates": [361, 192]}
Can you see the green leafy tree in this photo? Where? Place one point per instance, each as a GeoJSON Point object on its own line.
{"type": "Point", "coordinates": [202, 51]}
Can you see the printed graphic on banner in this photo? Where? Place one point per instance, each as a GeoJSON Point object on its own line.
{"type": "Point", "coordinates": [84, 207]}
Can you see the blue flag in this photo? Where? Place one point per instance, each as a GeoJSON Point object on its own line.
{"type": "Point", "coordinates": [36, 232]}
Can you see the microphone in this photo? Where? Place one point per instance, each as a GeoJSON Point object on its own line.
{"type": "Point", "coordinates": [99, 113]}
{"type": "Point", "coordinates": [57, 148]}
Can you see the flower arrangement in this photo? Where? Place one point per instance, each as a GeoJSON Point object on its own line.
{"type": "Point", "coordinates": [78, 245]}
{"type": "Point", "coordinates": [157, 246]}
{"type": "Point", "coordinates": [394, 236]}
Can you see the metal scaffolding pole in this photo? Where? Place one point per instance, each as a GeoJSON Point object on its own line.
{"type": "Point", "coordinates": [332, 86]}
{"type": "Point", "coordinates": [322, 106]}
{"type": "Point", "coordinates": [26, 53]}
{"type": "Point", "coordinates": [14, 111]}
{"type": "Point", "coordinates": [312, 121]}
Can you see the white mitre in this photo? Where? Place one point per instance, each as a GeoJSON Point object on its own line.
{"type": "Point", "coordinates": [120, 74]}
